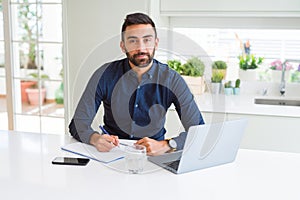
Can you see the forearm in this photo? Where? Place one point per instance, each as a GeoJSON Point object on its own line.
{"type": "Point", "coordinates": [81, 130]}
{"type": "Point", "coordinates": [189, 115]}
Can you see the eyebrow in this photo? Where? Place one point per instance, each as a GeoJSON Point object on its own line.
{"type": "Point", "coordinates": [134, 37]}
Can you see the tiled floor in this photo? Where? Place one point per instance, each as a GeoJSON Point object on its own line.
{"type": "Point", "coordinates": [48, 108]}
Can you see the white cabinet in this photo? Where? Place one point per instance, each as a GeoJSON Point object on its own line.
{"type": "Point", "coordinates": [263, 132]}
{"type": "Point", "coordinates": [271, 132]}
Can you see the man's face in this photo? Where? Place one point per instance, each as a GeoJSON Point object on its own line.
{"type": "Point", "coordinates": [139, 44]}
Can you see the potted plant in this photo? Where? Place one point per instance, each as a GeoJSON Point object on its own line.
{"type": "Point", "coordinates": [248, 64]}
{"type": "Point", "coordinates": [176, 65]}
{"type": "Point", "coordinates": [295, 77]}
{"type": "Point", "coordinates": [27, 21]}
{"type": "Point", "coordinates": [220, 66]}
{"type": "Point", "coordinates": [228, 88]}
{"type": "Point", "coordinates": [216, 81]}
{"type": "Point", "coordinates": [236, 89]}
{"type": "Point", "coordinates": [276, 70]}
{"type": "Point", "coordinates": [33, 92]}
{"type": "Point", "coordinates": [24, 85]}
{"type": "Point", "coordinates": [192, 72]}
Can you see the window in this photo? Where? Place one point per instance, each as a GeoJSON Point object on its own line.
{"type": "Point", "coordinates": [272, 44]}
{"type": "Point", "coordinates": [3, 110]}
{"type": "Point", "coordinates": [35, 41]}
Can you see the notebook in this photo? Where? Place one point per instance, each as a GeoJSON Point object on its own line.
{"type": "Point", "coordinates": [91, 152]}
{"type": "Point", "coordinates": [206, 146]}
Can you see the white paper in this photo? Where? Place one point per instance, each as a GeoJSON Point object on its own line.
{"type": "Point", "coordinates": [91, 152]}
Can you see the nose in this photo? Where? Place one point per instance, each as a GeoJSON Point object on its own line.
{"type": "Point", "coordinates": [140, 45]}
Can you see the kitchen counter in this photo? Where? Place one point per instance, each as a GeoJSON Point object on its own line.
{"type": "Point", "coordinates": [242, 104]}
{"type": "Point", "coordinates": [270, 127]}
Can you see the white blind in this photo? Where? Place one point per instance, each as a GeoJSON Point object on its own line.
{"type": "Point", "coordinates": [271, 44]}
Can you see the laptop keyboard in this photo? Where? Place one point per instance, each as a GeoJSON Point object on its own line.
{"type": "Point", "coordinates": [174, 164]}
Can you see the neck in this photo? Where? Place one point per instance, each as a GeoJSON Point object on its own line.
{"type": "Point", "coordinates": [140, 70]}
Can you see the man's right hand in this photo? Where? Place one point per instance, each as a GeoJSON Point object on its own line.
{"type": "Point", "coordinates": [104, 142]}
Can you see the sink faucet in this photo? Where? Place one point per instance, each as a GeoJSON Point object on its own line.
{"type": "Point", "coordinates": [282, 83]}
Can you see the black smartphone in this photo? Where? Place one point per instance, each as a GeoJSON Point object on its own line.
{"type": "Point", "coordinates": [70, 161]}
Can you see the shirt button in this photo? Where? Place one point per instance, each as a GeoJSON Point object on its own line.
{"type": "Point", "coordinates": [136, 105]}
{"type": "Point", "coordinates": [138, 87]}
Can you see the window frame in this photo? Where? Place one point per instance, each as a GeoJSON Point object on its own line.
{"type": "Point", "coordinates": [12, 106]}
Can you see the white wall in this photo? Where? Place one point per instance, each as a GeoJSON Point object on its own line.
{"type": "Point", "coordinates": [93, 28]}
{"type": "Point", "coordinates": [92, 32]}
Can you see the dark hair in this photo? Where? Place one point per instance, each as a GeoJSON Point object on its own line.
{"type": "Point", "coordinates": [137, 18]}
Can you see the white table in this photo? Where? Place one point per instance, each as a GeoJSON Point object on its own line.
{"type": "Point", "coordinates": [26, 172]}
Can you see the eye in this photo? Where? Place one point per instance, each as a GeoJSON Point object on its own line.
{"type": "Point", "coordinates": [132, 41]}
{"type": "Point", "coordinates": [148, 40]}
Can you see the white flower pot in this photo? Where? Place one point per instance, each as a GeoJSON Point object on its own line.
{"type": "Point", "coordinates": [247, 75]}
{"type": "Point", "coordinates": [276, 76]}
{"type": "Point", "coordinates": [196, 84]}
{"type": "Point", "coordinates": [216, 88]}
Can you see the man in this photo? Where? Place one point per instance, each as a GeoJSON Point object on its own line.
{"type": "Point", "coordinates": [136, 93]}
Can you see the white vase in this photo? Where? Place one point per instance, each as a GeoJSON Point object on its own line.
{"type": "Point", "coordinates": [276, 76]}
{"type": "Point", "coordinates": [216, 88]}
{"type": "Point", "coordinates": [196, 84]}
{"type": "Point", "coordinates": [247, 75]}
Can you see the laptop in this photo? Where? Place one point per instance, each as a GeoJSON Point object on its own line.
{"type": "Point", "coordinates": [206, 146]}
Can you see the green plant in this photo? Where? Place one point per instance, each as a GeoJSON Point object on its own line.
{"type": "Point", "coordinates": [193, 67]}
{"type": "Point", "coordinates": [36, 76]}
{"type": "Point", "coordinates": [28, 17]}
{"type": "Point", "coordinates": [295, 77]}
{"type": "Point", "coordinates": [237, 83]}
{"type": "Point", "coordinates": [219, 65]}
{"type": "Point", "coordinates": [217, 76]}
{"type": "Point", "coordinates": [176, 65]}
{"type": "Point", "coordinates": [250, 62]}
{"type": "Point", "coordinates": [228, 84]}
{"type": "Point", "coordinates": [59, 92]}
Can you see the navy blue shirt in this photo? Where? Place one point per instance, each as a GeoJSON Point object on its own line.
{"type": "Point", "coordinates": [133, 109]}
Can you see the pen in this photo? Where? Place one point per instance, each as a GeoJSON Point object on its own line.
{"type": "Point", "coordinates": [105, 132]}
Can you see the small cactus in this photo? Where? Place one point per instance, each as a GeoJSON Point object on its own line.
{"type": "Point", "coordinates": [228, 84]}
{"type": "Point", "coordinates": [237, 83]}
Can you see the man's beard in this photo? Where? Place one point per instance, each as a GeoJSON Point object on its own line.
{"type": "Point", "coordinates": [141, 63]}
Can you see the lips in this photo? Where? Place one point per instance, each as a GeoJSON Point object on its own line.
{"type": "Point", "coordinates": [141, 55]}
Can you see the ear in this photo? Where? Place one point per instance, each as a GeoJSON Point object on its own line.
{"type": "Point", "coordinates": [122, 46]}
